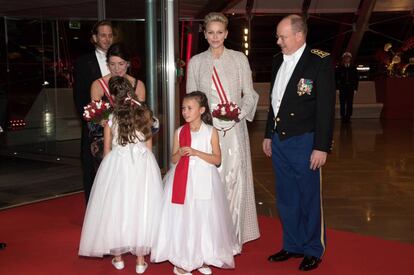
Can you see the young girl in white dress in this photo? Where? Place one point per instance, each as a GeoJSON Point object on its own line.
{"type": "Point", "coordinates": [123, 211]}
{"type": "Point", "coordinates": [196, 228]}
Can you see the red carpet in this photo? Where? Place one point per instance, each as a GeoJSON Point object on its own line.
{"type": "Point", "coordinates": [43, 239]}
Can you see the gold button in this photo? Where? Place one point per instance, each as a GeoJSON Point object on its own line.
{"type": "Point", "coordinates": [283, 133]}
{"type": "Point", "coordinates": [292, 114]}
{"type": "Point", "coordinates": [277, 119]}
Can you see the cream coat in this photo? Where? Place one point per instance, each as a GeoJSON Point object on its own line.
{"type": "Point", "coordinates": [236, 168]}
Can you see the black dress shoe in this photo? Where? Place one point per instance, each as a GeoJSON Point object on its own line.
{"type": "Point", "coordinates": [309, 263]}
{"type": "Point", "coordinates": [283, 255]}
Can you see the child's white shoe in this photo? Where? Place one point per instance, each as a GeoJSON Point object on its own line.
{"type": "Point", "coordinates": [140, 268]}
{"type": "Point", "coordinates": [175, 270]}
{"type": "Point", "coordinates": [118, 264]}
{"type": "Point", "coordinates": [205, 270]}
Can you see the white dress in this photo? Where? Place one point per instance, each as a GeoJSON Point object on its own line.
{"type": "Point", "coordinates": [200, 231]}
{"type": "Point", "coordinates": [123, 210]}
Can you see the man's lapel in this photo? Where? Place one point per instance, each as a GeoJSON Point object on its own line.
{"type": "Point", "coordinates": [94, 66]}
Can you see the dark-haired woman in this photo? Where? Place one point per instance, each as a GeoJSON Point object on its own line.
{"type": "Point", "coordinates": [118, 60]}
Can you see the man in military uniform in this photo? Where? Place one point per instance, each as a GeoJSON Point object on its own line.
{"type": "Point", "coordinates": [298, 138]}
{"type": "Point", "coordinates": [347, 84]}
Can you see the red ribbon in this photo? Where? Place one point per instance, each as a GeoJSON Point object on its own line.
{"type": "Point", "coordinates": [219, 87]}
{"type": "Point", "coordinates": [181, 171]}
{"type": "Point", "coordinates": [105, 88]}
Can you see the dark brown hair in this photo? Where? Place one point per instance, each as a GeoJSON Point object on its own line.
{"type": "Point", "coordinates": [132, 118]}
{"type": "Point", "coordinates": [96, 26]}
{"type": "Point", "coordinates": [202, 100]}
{"type": "Point", "coordinates": [119, 50]}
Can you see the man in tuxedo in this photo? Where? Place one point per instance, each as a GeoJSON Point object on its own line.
{"type": "Point", "coordinates": [298, 138]}
{"type": "Point", "coordinates": [347, 85]}
{"type": "Point", "coordinates": [88, 68]}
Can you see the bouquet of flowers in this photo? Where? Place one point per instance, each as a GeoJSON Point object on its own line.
{"type": "Point", "coordinates": [97, 111]}
{"type": "Point", "coordinates": [229, 111]}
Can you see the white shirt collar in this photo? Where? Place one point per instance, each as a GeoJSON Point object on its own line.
{"type": "Point", "coordinates": [100, 54]}
{"type": "Point", "coordinates": [296, 55]}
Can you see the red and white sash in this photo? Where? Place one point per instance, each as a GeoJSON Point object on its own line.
{"type": "Point", "coordinates": [105, 88]}
{"type": "Point", "coordinates": [219, 87]}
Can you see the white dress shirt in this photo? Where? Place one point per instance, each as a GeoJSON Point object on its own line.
{"type": "Point", "coordinates": [283, 77]}
{"type": "Point", "coordinates": [101, 56]}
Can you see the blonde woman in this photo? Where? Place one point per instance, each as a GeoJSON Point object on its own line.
{"type": "Point", "coordinates": [231, 69]}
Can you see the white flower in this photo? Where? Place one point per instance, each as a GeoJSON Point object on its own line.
{"type": "Point", "coordinates": [223, 111]}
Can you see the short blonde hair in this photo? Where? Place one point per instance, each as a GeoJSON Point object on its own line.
{"type": "Point", "coordinates": [216, 17]}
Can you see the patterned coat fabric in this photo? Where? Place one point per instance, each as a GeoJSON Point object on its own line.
{"type": "Point", "coordinates": [236, 168]}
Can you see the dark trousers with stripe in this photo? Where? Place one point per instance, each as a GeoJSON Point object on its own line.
{"type": "Point", "coordinates": [298, 195]}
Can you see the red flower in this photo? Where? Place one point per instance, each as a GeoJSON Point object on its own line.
{"type": "Point", "coordinates": [227, 111]}
{"type": "Point", "coordinates": [97, 111]}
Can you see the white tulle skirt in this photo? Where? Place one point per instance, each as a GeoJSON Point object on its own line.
{"type": "Point", "coordinates": [123, 210]}
{"type": "Point", "coordinates": [201, 230]}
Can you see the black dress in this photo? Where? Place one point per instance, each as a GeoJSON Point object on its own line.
{"type": "Point", "coordinates": [96, 139]}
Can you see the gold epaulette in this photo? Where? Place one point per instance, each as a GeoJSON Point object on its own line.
{"type": "Point", "coordinates": [319, 53]}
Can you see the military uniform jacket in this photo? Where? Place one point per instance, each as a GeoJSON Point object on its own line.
{"type": "Point", "coordinates": [308, 103]}
{"type": "Point", "coordinates": [347, 78]}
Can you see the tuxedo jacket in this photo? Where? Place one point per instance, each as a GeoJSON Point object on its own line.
{"type": "Point", "coordinates": [346, 78]}
{"type": "Point", "coordinates": [308, 103]}
{"type": "Point", "coordinates": [86, 70]}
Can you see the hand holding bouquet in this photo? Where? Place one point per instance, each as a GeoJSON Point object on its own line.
{"type": "Point", "coordinates": [225, 116]}
{"type": "Point", "coordinates": [97, 111]}
{"type": "Point", "coordinates": [97, 114]}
